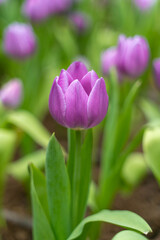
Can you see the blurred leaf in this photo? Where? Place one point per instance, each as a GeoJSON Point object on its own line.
{"type": "Point", "coordinates": [128, 235]}
{"type": "Point", "coordinates": [41, 226]}
{"type": "Point", "coordinates": [58, 189]}
{"type": "Point", "coordinates": [19, 169]}
{"type": "Point", "coordinates": [151, 148]}
{"type": "Point", "coordinates": [30, 125]}
{"type": "Point", "coordinates": [7, 147]}
{"type": "Point", "coordinates": [134, 169]}
{"type": "Point", "coordinates": [124, 219]}
{"type": "Point", "coordinates": [150, 110]}
{"type": "Point", "coordinates": [65, 39]}
{"type": "Point", "coordinates": [91, 196]}
{"type": "Point", "coordinates": [124, 120]}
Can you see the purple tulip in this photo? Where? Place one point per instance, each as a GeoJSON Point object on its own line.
{"type": "Point", "coordinates": [78, 98]}
{"type": "Point", "coordinates": [156, 71]}
{"type": "Point", "coordinates": [133, 55]}
{"type": "Point", "coordinates": [11, 93]}
{"type": "Point", "coordinates": [80, 21]}
{"type": "Point", "coordinates": [19, 40]}
{"type": "Point", "coordinates": [58, 6]}
{"type": "Point", "coordinates": [144, 4]}
{"type": "Point", "coordinates": [109, 59]}
{"type": "Point", "coordinates": [37, 10]}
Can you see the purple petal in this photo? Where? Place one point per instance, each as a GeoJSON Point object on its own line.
{"type": "Point", "coordinates": [77, 70]}
{"type": "Point", "coordinates": [76, 106]}
{"type": "Point", "coordinates": [97, 103]}
{"type": "Point", "coordinates": [64, 80]}
{"type": "Point", "coordinates": [89, 80]}
{"type": "Point", "coordinates": [57, 105]}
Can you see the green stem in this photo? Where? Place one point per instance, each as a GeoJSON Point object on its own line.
{"type": "Point", "coordinates": [76, 179]}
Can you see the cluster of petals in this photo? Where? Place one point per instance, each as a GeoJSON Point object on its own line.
{"type": "Point", "coordinates": [19, 40]}
{"type": "Point", "coordinates": [11, 93]}
{"type": "Point", "coordinates": [78, 98]}
{"type": "Point", "coordinates": [130, 57]}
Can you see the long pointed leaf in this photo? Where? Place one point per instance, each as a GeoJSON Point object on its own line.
{"type": "Point", "coordinates": [41, 227]}
{"type": "Point", "coordinates": [124, 219]}
{"type": "Point", "coordinates": [58, 189]}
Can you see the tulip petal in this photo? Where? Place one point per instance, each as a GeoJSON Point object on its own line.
{"type": "Point", "coordinates": [77, 70]}
{"type": "Point", "coordinates": [57, 105]}
{"type": "Point", "coordinates": [76, 106]}
{"type": "Point", "coordinates": [89, 80]}
{"type": "Point", "coordinates": [64, 80]}
{"type": "Point", "coordinates": [97, 103]}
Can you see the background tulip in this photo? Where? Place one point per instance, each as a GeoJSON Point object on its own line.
{"type": "Point", "coordinates": [78, 98]}
{"type": "Point", "coordinates": [144, 4]}
{"type": "Point", "coordinates": [156, 70]}
{"type": "Point", "coordinates": [19, 40]}
{"type": "Point", "coordinates": [11, 93]}
{"type": "Point", "coordinates": [80, 21]}
{"type": "Point", "coordinates": [37, 10]}
{"type": "Point", "coordinates": [133, 55]}
{"type": "Point", "coordinates": [109, 59]}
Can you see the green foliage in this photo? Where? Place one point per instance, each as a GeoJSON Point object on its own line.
{"type": "Point", "coordinates": [151, 148]}
{"type": "Point", "coordinates": [134, 170]}
{"type": "Point", "coordinates": [41, 224]}
{"type": "Point", "coordinates": [58, 190]}
{"type": "Point", "coordinates": [124, 219]}
{"type": "Point", "coordinates": [129, 235]}
{"type": "Point", "coordinates": [19, 169]}
{"type": "Point", "coordinates": [30, 125]}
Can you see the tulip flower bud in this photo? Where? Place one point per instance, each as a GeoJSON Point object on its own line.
{"type": "Point", "coordinates": [19, 40]}
{"type": "Point", "coordinates": [133, 55]}
{"type": "Point", "coordinates": [156, 71]}
{"type": "Point", "coordinates": [11, 93]}
{"type": "Point", "coordinates": [109, 59]}
{"type": "Point", "coordinates": [58, 6]}
{"type": "Point", "coordinates": [37, 10]}
{"type": "Point", "coordinates": [80, 21]}
{"type": "Point", "coordinates": [144, 4]}
{"type": "Point", "coordinates": [78, 98]}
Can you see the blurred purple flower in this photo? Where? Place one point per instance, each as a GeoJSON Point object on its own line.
{"type": "Point", "coordinates": [58, 6]}
{"type": "Point", "coordinates": [19, 40]}
{"type": "Point", "coordinates": [11, 93]}
{"type": "Point", "coordinates": [38, 10]}
{"type": "Point", "coordinates": [109, 59]}
{"type": "Point", "coordinates": [144, 4]}
{"type": "Point", "coordinates": [78, 98]}
{"type": "Point", "coordinates": [80, 21]}
{"type": "Point", "coordinates": [133, 55]}
{"type": "Point", "coordinates": [156, 71]}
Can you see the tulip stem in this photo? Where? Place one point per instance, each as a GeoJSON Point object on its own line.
{"type": "Point", "coordinates": [76, 179]}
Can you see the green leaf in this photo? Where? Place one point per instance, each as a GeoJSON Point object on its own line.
{"type": "Point", "coordinates": [19, 169]}
{"type": "Point", "coordinates": [58, 189]}
{"type": "Point", "coordinates": [124, 121]}
{"type": "Point", "coordinates": [124, 219]}
{"type": "Point", "coordinates": [7, 147]}
{"type": "Point", "coordinates": [151, 148]}
{"type": "Point", "coordinates": [41, 226]}
{"type": "Point", "coordinates": [150, 110]}
{"type": "Point", "coordinates": [134, 169]}
{"type": "Point", "coordinates": [129, 235]}
{"type": "Point", "coordinates": [30, 125]}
